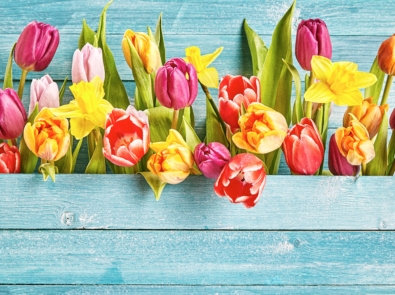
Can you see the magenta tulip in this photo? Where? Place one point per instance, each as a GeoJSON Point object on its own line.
{"type": "Point", "coordinates": [176, 84]}
{"type": "Point", "coordinates": [303, 148]}
{"type": "Point", "coordinates": [44, 92]}
{"type": "Point", "coordinates": [87, 63]}
{"type": "Point", "coordinates": [211, 158]}
{"type": "Point", "coordinates": [392, 120]}
{"type": "Point", "coordinates": [10, 159]}
{"type": "Point", "coordinates": [312, 38]}
{"type": "Point", "coordinates": [12, 114]}
{"type": "Point", "coordinates": [126, 137]}
{"type": "Point", "coordinates": [36, 46]}
{"type": "Point", "coordinates": [338, 164]}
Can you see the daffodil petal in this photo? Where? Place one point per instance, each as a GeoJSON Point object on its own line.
{"type": "Point", "coordinates": [207, 59]}
{"type": "Point", "coordinates": [363, 80]}
{"type": "Point", "coordinates": [209, 77]}
{"type": "Point", "coordinates": [80, 127]}
{"type": "Point", "coordinates": [194, 57]}
{"type": "Point", "coordinates": [320, 93]}
{"type": "Point", "coordinates": [349, 99]}
{"type": "Point", "coordinates": [70, 110]}
{"type": "Point", "coordinates": [321, 67]}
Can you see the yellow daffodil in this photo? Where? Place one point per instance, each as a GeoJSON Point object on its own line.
{"type": "Point", "coordinates": [207, 76]}
{"type": "Point", "coordinates": [339, 82]}
{"type": "Point", "coordinates": [87, 110]}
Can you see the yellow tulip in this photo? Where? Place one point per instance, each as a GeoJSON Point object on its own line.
{"type": "Point", "coordinates": [173, 160]}
{"type": "Point", "coordinates": [262, 129]}
{"type": "Point", "coordinates": [339, 82]}
{"type": "Point", "coordinates": [48, 136]}
{"type": "Point", "coordinates": [206, 76]}
{"type": "Point", "coordinates": [146, 49]}
{"type": "Point", "coordinates": [88, 110]}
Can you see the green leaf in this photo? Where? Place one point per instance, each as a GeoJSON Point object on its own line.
{"type": "Point", "coordinates": [284, 91]}
{"type": "Point", "coordinates": [189, 134]}
{"type": "Point", "coordinates": [375, 90]}
{"type": "Point", "coordinates": [155, 183]}
{"type": "Point", "coordinates": [378, 166]}
{"type": "Point", "coordinates": [160, 41]}
{"type": "Point", "coordinates": [97, 164]}
{"type": "Point", "coordinates": [62, 90]}
{"type": "Point", "coordinates": [215, 127]}
{"type": "Point", "coordinates": [8, 70]}
{"type": "Point", "coordinates": [258, 49]}
{"type": "Point", "coordinates": [75, 154]}
{"type": "Point", "coordinates": [28, 159]}
{"type": "Point", "coordinates": [280, 48]}
{"type": "Point", "coordinates": [87, 35]}
{"type": "Point", "coordinates": [297, 114]}
{"type": "Point", "coordinates": [160, 119]}
{"type": "Point", "coordinates": [65, 164]}
{"type": "Point", "coordinates": [48, 170]}
{"type": "Point", "coordinates": [272, 161]}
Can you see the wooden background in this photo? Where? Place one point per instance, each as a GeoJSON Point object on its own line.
{"type": "Point", "coordinates": [89, 234]}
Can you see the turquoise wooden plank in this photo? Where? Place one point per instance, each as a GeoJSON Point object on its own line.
{"type": "Point", "coordinates": [194, 290]}
{"type": "Point", "coordinates": [357, 17]}
{"type": "Point", "coordinates": [197, 257]}
{"type": "Point", "coordinates": [126, 202]}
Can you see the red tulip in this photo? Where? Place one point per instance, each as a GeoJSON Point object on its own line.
{"type": "Point", "coordinates": [36, 46]}
{"type": "Point", "coordinates": [10, 159]}
{"type": "Point", "coordinates": [303, 148]}
{"type": "Point", "coordinates": [126, 138]}
{"type": "Point", "coordinates": [242, 180]}
{"type": "Point", "coordinates": [12, 114]}
{"type": "Point", "coordinates": [233, 92]}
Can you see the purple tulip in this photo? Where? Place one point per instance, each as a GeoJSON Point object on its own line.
{"type": "Point", "coordinates": [45, 92]}
{"type": "Point", "coordinates": [36, 46]}
{"type": "Point", "coordinates": [337, 163]}
{"type": "Point", "coordinates": [211, 158]}
{"type": "Point", "coordinates": [312, 38]}
{"type": "Point", "coordinates": [12, 114]}
{"type": "Point", "coordinates": [176, 84]}
{"type": "Point", "coordinates": [87, 63]}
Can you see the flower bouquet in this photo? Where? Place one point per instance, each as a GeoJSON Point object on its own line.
{"type": "Point", "coordinates": [252, 124]}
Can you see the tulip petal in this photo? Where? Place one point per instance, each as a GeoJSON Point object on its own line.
{"type": "Point", "coordinates": [48, 149]}
{"type": "Point", "coordinates": [78, 72]}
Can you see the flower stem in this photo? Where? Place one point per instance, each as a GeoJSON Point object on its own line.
{"type": "Point", "coordinates": [22, 83]}
{"type": "Point", "coordinates": [386, 89]}
{"type": "Point", "coordinates": [309, 105]}
{"type": "Point", "coordinates": [175, 119]}
{"type": "Point", "coordinates": [210, 99]}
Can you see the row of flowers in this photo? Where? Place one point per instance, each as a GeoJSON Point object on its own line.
{"type": "Point", "coordinates": [155, 137]}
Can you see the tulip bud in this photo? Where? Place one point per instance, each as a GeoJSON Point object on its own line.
{"type": "Point", "coordinates": [386, 56]}
{"type": "Point", "coordinates": [338, 164]}
{"type": "Point", "coordinates": [10, 159]}
{"type": "Point", "coordinates": [36, 46]}
{"type": "Point", "coordinates": [235, 91]}
{"type": "Point", "coordinates": [368, 113]}
{"type": "Point", "coordinates": [303, 148]}
{"type": "Point", "coordinates": [176, 84]}
{"type": "Point", "coordinates": [45, 92]}
{"type": "Point", "coordinates": [211, 158]}
{"type": "Point", "coordinates": [312, 38]}
{"type": "Point", "coordinates": [87, 63]}
{"type": "Point", "coordinates": [12, 114]}
{"type": "Point", "coordinates": [392, 120]}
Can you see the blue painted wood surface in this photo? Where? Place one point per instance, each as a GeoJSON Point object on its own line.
{"type": "Point", "coordinates": [107, 235]}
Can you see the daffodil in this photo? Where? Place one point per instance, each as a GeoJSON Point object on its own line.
{"type": "Point", "coordinates": [207, 76]}
{"type": "Point", "coordinates": [339, 82]}
{"type": "Point", "coordinates": [88, 110]}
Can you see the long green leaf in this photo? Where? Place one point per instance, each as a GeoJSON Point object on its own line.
{"type": "Point", "coordinates": [87, 35]}
{"type": "Point", "coordinates": [28, 159]}
{"type": "Point", "coordinates": [160, 119]}
{"type": "Point", "coordinates": [215, 127]}
{"type": "Point", "coordinates": [8, 70]}
{"type": "Point", "coordinates": [62, 90]}
{"type": "Point", "coordinates": [160, 41]}
{"type": "Point", "coordinates": [156, 184]}
{"type": "Point", "coordinates": [97, 164]}
{"type": "Point", "coordinates": [297, 113]}
{"type": "Point", "coordinates": [375, 90]}
{"type": "Point", "coordinates": [189, 134]}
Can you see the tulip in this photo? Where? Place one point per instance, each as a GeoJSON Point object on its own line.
{"type": "Point", "coordinates": [176, 84]}
{"type": "Point", "coordinates": [87, 63]}
{"type": "Point", "coordinates": [43, 92]}
{"type": "Point", "coordinates": [146, 49]}
{"type": "Point", "coordinates": [386, 56]}
{"type": "Point", "coordinates": [12, 114]}
{"type": "Point", "coordinates": [354, 143]}
{"type": "Point", "coordinates": [392, 120]}
{"type": "Point", "coordinates": [262, 129]}
{"type": "Point", "coordinates": [369, 114]}
{"type": "Point", "coordinates": [211, 158]}
{"type": "Point", "coordinates": [242, 180]}
{"type": "Point", "coordinates": [126, 137]}
{"type": "Point", "coordinates": [312, 38]}
{"type": "Point", "coordinates": [303, 148]}
{"type": "Point", "coordinates": [10, 159]}
{"type": "Point", "coordinates": [235, 91]}
{"type": "Point", "coordinates": [173, 160]}
{"type": "Point", "coordinates": [337, 163]}
{"type": "Point", "coordinates": [36, 46]}
{"type": "Point", "coordinates": [48, 137]}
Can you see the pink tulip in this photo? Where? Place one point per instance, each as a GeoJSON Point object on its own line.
{"type": "Point", "coordinates": [36, 46]}
{"type": "Point", "coordinates": [211, 158]}
{"type": "Point", "coordinates": [45, 92]}
{"type": "Point", "coordinates": [126, 137]}
{"type": "Point", "coordinates": [10, 159]}
{"type": "Point", "coordinates": [176, 84]}
{"type": "Point", "coordinates": [242, 180]}
{"type": "Point", "coordinates": [235, 91]}
{"type": "Point", "coordinates": [12, 114]}
{"type": "Point", "coordinates": [303, 148]}
{"type": "Point", "coordinates": [87, 63]}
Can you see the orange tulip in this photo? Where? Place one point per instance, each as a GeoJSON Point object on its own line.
{"type": "Point", "coordinates": [386, 56]}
